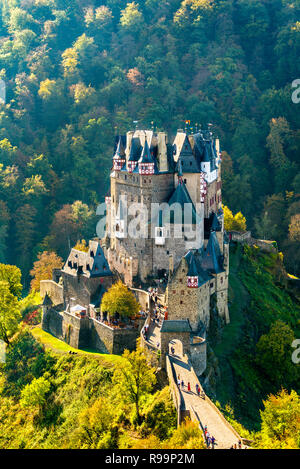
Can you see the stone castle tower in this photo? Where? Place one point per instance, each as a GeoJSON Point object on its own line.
{"type": "Point", "coordinates": [165, 221]}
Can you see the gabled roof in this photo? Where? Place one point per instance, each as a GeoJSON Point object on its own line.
{"type": "Point", "coordinates": [212, 259]}
{"type": "Point", "coordinates": [90, 264]}
{"type": "Point", "coordinates": [187, 158]}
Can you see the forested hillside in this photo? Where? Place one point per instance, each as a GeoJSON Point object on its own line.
{"type": "Point", "coordinates": [79, 71]}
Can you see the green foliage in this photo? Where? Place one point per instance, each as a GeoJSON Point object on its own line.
{"type": "Point", "coordinates": [255, 353]}
{"type": "Point", "coordinates": [280, 427]}
{"type": "Point", "coordinates": [134, 379]}
{"type": "Point", "coordinates": [274, 355]}
{"type": "Point", "coordinates": [77, 74]}
{"type": "Point", "coordinates": [9, 312]}
{"type": "Point", "coordinates": [71, 401]}
{"type": "Point", "coordinates": [35, 393]}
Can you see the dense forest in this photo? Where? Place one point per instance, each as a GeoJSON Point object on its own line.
{"type": "Point", "coordinates": [77, 72]}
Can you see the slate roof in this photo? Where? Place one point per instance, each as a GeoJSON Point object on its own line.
{"type": "Point", "coordinates": [90, 264]}
{"type": "Point", "coordinates": [180, 196]}
{"type": "Point", "coordinates": [194, 260]}
{"type": "Point", "coordinates": [119, 153]}
{"type": "Point", "coordinates": [187, 158]}
{"type": "Point", "coordinates": [211, 223]}
{"type": "Point", "coordinates": [180, 325]}
{"type": "Point", "coordinates": [212, 260]}
{"type": "Point", "coordinates": [146, 155]}
{"type": "Point", "coordinates": [135, 150]}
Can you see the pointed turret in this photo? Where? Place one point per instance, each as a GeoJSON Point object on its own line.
{"type": "Point", "coordinates": [146, 162]}
{"type": "Point", "coordinates": [212, 260]}
{"type": "Point", "coordinates": [119, 157]}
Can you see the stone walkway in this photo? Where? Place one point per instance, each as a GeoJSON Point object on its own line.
{"type": "Point", "coordinates": [205, 412]}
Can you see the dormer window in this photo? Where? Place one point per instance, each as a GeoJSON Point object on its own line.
{"type": "Point", "coordinates": [92, 253]}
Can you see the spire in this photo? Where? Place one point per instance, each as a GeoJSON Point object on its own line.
{"type": "Point", "coordinates": [146, 162]}
{"type": "Point", "coordinates": [212, 260]}
{"type": "Point", "coordinates": [119, 156]}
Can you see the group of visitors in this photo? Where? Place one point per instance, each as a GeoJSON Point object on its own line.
{"type": "Point", "coordinates": [238, 446]}
{"type": "Point", "coordinates": [181, 385]}
{"type": "Point", "coordinates": [210, 440]}
{"type": "Point", "coordinates": [145, 331]}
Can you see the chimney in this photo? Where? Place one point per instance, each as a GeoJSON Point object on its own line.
{"type": "Point", "coordinates": [129, 136]}
{"type": "Point", "coordinates": [162, 151]}
{"type": "Point", "coordinates": [217, 144]}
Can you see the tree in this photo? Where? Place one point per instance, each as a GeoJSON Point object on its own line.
{"type": "Point", "coordinates": [118, 299]}
{"type": "Point", "coordinates": [81, 246]}
{"type": "Point", "coordinates": [294, 228]}
{"type": "Point", "coordinates": [280, 421]}
{"type": "Point", "coordinates": [9, 312]}
{"type": "Point", "coordinates": [274, 355]}
{"type": "Point", "coordinates": [42, 268]}
{"type": "Point", "coordinates": [134, 379]}
{"type": "Point", "coordinates": [12, 275]}
{"type": "Point", "coordinates": [96, 425]}
{"type": "Point", "coordinates": [35, 393]}
{"type": "Point", "coordinates": [232, 222]}
{"type": "Point", "coordinates": [131, 18]}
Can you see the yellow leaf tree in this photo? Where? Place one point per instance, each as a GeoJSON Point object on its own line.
{"type": "Point", "coordinates": [118, 299]}
{"type": "Point", "coordinates": [232, 222]}
{"type": "Point", "coordinates": [42, 268]}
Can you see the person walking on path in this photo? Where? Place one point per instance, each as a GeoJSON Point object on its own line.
{"type": "Point", "coordinates": [178, 382]}
{"type": "Point", "coordinates": [189, 387]}
{"type": "Point", "coordinates": [182, 384]}
{"type": "Point", "coordinates": [213, 441]}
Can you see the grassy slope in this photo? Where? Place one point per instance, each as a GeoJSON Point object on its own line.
{"type": "Point", "coordinates": [256, 300]}
{"type": "Point", "coordinates": [60, 347]}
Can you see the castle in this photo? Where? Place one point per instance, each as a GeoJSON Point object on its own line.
{"type": "Point", "coordinates": [164, 228]}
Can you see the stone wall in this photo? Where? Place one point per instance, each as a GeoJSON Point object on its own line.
{"type": "Point", "coordinates": [142, 297]}
{"type": "Point", "coordinates": [52, 321]}
{"type": "Point", "coordinates": [53, 290]}
{"type": "Point", "coordinates": [198, 356]}
{"type": "Point", "coordinates": [165, 339]}
{"type": "Point", "coordinates": [82, 288]}
{"type": "Point", "coordinates": [76, 330]}
{"type": "Point", "coordinates": [180, 299]}
{"type": "Point", "coordinates": [88, 332]}
{"type": "Point", "coordinates": [109, 340]}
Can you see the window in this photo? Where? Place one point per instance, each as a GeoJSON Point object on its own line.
{"type": "Point", "coordinates": [211, 285]}
{"type": "Point", "coordinates": [181, 302]}
{"type": "Point", "coordinates": [221, 279]}
{"type": "Point", "coordinates": [174, 291]}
